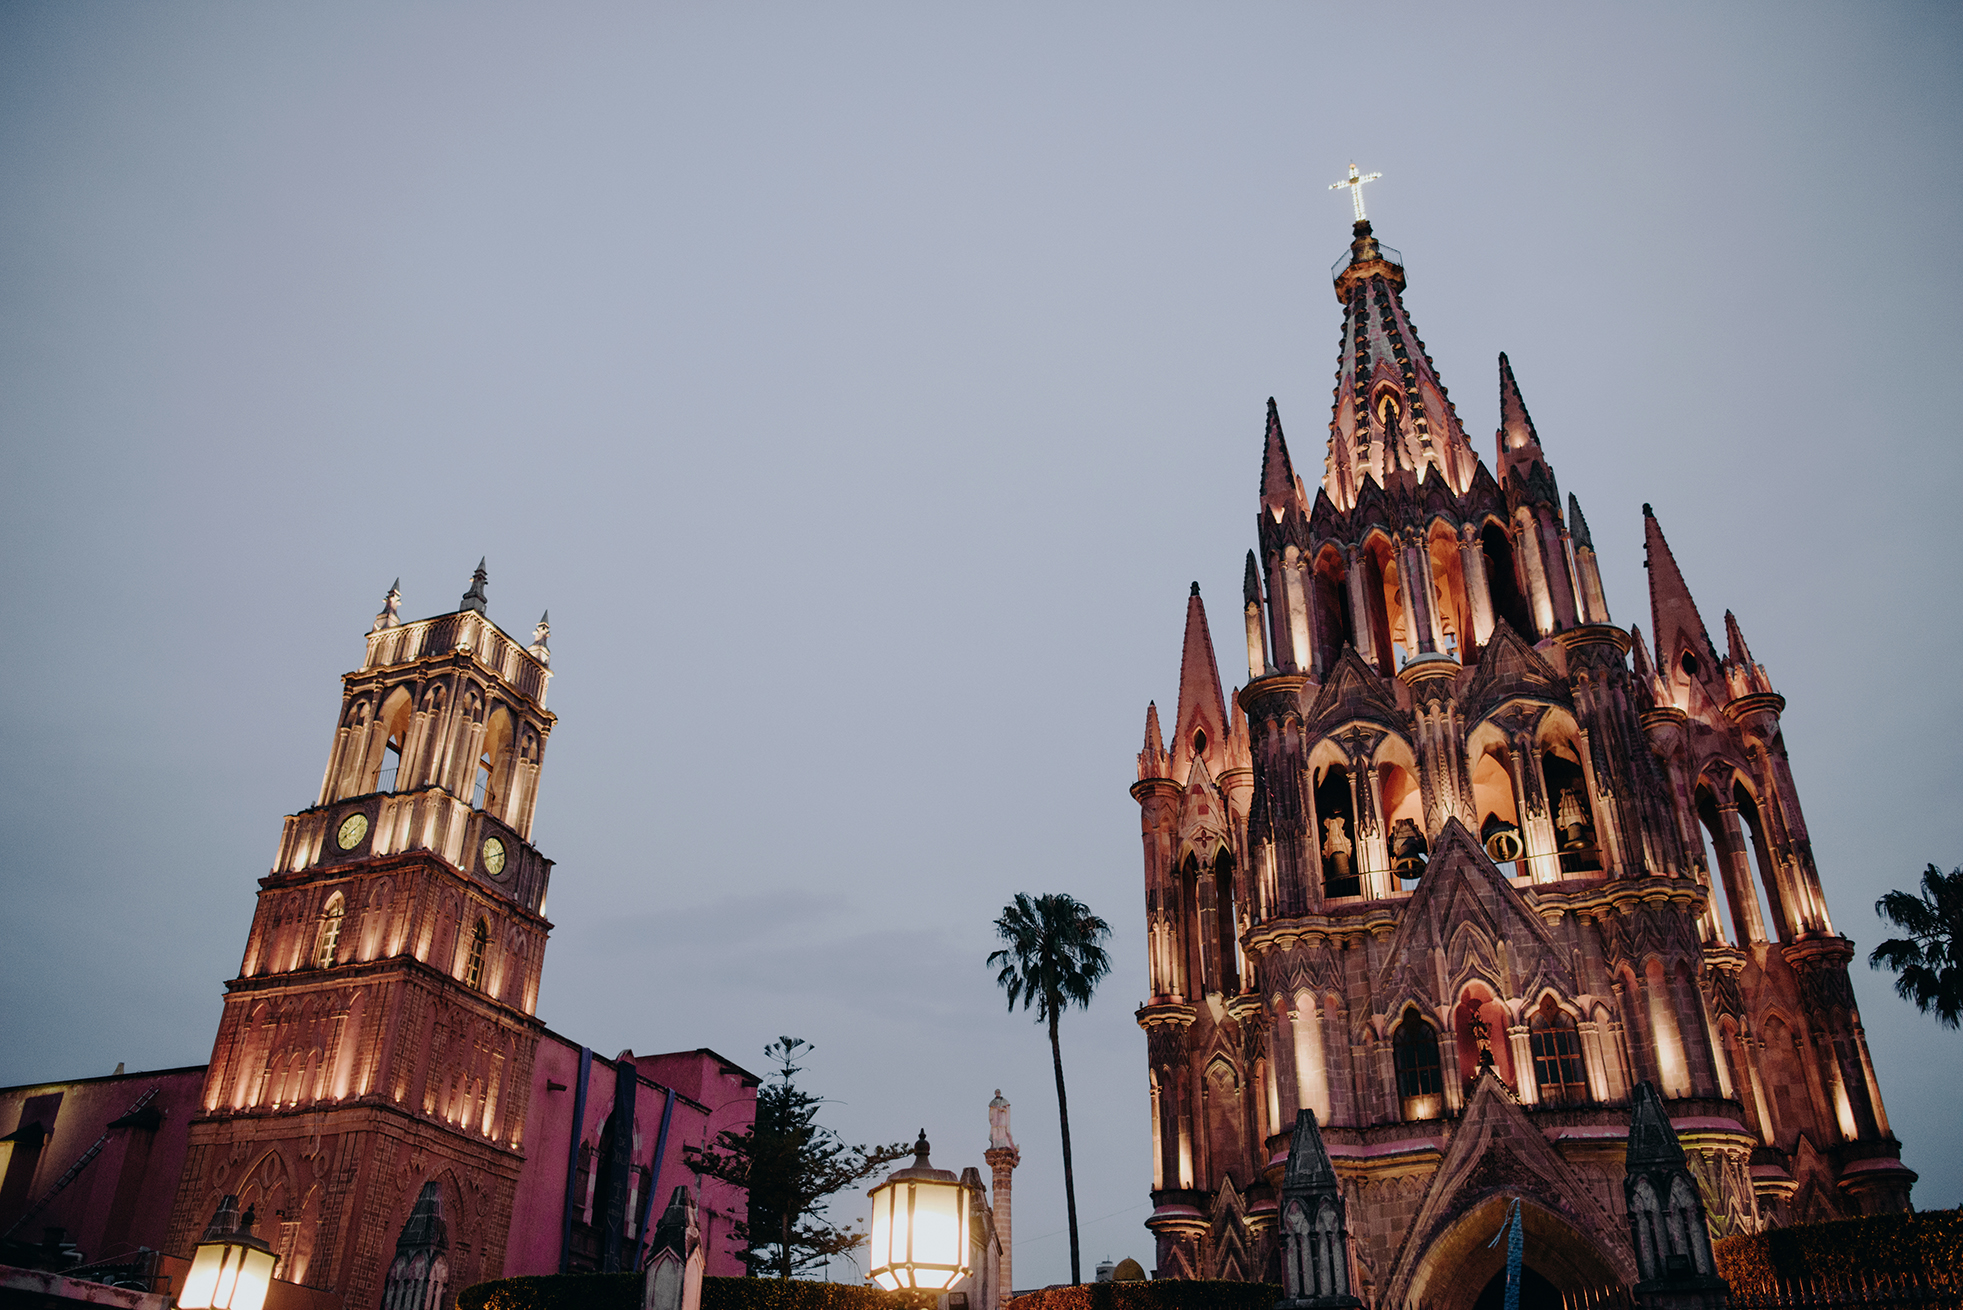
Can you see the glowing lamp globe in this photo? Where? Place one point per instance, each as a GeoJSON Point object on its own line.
{"type": "Point", "coordinates": [920, 1227]}
{"type": "Point", "coordinates": [231, 1269]}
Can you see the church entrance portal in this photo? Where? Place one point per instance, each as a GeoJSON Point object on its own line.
{"type": "Point", "coordinates": [1466, 1270]}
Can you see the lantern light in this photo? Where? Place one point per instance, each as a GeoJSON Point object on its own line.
{"type": "Point", "coordinates": [231, 1268]}
{"type": "Point", "coordinates": [920, 1219]}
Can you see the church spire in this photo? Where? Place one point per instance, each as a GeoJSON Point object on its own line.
{"type": "Point", "coordinates": [1516, 424]}
{"type": "Point", "coordinates": [1744, 675]}
{"type": "Point", "coordinates": [1393, 420]}
{"type": "Point", "coordinates": [1200, 727]}
{"type": "Point", "coordinates": [1684, 654]}
{"type": "Point", "coordinates": [1280, 488]}
{"type": "Point", "coordinates": [1152, 761]}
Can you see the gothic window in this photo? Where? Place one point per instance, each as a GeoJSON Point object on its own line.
{"type": "Point", "coordinates": [473, 970]}
{"type": "Point", "coordinates": [497, 744]}
{"type": "Point", "coordinates": [1334, 629]}
{"type": "Point", "coordinates": [1227, 926]}
{"type": "Point", "coordinates": [327, 938]}
{"type": "Point", "coordinates": [1414, 1055]}
{"type": "Point", "coordinates": [1557, 1056]}
{"type": "Point", "coordinates": [396, 713]}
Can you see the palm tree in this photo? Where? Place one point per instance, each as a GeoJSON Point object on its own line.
{"type": "Point", "coordinates": [1053, 960]}
{"type": "Point", "coordinates": [1928, 963]}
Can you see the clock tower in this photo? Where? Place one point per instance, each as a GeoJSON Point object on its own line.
{"type": "Point", "coordinates": [380, 1033]}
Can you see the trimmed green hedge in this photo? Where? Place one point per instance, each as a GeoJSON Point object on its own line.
{"type": "Point", "coordinates": [1163, 1294]}
{"type": "Point", "coordinates": [623, 1292]}
{"type": "Point", "coordinates": [1927, 1247]}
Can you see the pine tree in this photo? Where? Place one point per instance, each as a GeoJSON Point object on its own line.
{"type": "Point", "coordinates": [790, 1165]}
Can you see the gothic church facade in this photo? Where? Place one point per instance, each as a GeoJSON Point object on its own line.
{"type": "Point", "coordinates": [1464, 862]}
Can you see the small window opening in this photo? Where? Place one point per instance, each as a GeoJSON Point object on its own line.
{"type": "Point", "coordinates": [473, 972]}
{"type": "Point", "coordinates": [1688, 661]}
{"type": "Point", "coordinates": [327, 943]}
{"type": "Point", "coordinates": [1199, 741]}
{"type": "Point", "coordinates": [1420, 1080]}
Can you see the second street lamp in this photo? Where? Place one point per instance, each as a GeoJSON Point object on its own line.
{"type": "Point", "coordinates": [919, 1227]}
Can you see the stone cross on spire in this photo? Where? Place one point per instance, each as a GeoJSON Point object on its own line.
{"type": "Point", "coordinates": [1355, 183]}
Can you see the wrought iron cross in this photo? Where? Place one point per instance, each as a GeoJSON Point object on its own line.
{"type": "Point", "coordinates": [1355, 183]}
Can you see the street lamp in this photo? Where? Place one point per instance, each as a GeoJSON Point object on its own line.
{"type": "Point", "coordinates": [919, 1227]}
{"type": "Point", "coordinates": [231, 1268]}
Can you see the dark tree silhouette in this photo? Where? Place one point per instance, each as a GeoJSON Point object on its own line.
{"type": "Point", "coordinates": [790, 1166]}
{"type": "Point", "coordinates": [1053, 959]}
{"type": "Point", "coordinates": [1928, 963]}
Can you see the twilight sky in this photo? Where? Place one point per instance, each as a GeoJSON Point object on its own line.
{"type": "Point", "coordinates": [860, 387]}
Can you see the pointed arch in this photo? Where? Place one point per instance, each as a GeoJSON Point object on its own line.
{"type": "Point", "coordinates": [327, 933]}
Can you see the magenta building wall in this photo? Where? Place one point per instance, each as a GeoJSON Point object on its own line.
{"type": "Point", "coordinates": [710, 1094]}
{"type": "Point", "coordinates": [122, 1200]}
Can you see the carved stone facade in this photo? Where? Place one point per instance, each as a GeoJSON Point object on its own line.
{"type": "Point", "coordinates": [1439, 872]}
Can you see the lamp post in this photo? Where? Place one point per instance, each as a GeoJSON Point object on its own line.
{"type": "Point", "coordinates": [919, 1227]}
{"type": "Point", "coordinates": [231, 1268]}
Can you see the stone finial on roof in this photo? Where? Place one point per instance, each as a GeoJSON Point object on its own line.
{"type": "Point", "coordinates": [540, 649]}
{"type": "Point", "coordinates": [474, 599]}
{"type": "Point", "coordinates": [390, 617]}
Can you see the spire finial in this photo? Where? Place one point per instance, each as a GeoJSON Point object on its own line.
{"type": "Point", "coordinates": [474, 599]}
{"type": "Point", "coordinates": [539, 649]}
{"type": "Point", "coordinates": [391, 603]}
{"type": "Point", "coordinates": [1355, 183]}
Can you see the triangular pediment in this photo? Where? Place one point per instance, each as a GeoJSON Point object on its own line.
{"type": "Point", "coordinates": [1353, 690]}
{"type": "Point", "coordinates": [1511, 669]}
{"type": "Point", "coordinates": [1202, 827]}
{"type": "Point", "coordinates": [1462, 910]}
{"type": "Point", "coordinates": [1497, 1151]}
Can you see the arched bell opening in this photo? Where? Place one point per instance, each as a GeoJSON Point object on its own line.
{"type": "Point", "coordinates": [1574, 816]}
{"type": "Point", "coordinates": [1404, 815]}
{"type": "Point", "coordinates": [1449, 599]}
{"type": "Point", "coordinates": [1497, 807]}
{"type": "Point", "coordinates": [1461, 1263]}
{"type": "Point", "coordinates": [1335, 807]}
{"type": "Point", "coordinates": [1382, 598]}
{"type": "Point", "coordinates": [1744, 901]}
{"type": "Point", "coordinates": [396, 713]}
{"type": "Point", "coordinates": [1227, 924]}
{"type": "Point", "coordinates": [1334, 627]}
{"type": "Point", "coordinates": [1768, 886]}
{"type": "Point", "coordinates": [1503, 582]}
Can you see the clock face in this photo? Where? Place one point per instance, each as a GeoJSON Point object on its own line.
{"type": "Point", "coordinates": [353, 829]}
{"type": "Point", "coordinates": [493, 857]}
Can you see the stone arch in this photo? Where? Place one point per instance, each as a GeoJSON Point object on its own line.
{"type": "Point", "coordinates": [1456, 1265]}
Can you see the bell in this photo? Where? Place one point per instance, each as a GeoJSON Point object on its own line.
{"type": "Point", "coordinates": [1502, 840]}
{"type": "Point", "coordinates": [1407, 848]}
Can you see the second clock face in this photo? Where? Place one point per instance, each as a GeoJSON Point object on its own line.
{"type": "Point", "coordinates": [494, 857]}
{"type": "Point", "coordinates": [352, 830]}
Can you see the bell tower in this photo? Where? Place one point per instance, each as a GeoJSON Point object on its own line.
{"type": "Point", "coordinates": [378, 1040]}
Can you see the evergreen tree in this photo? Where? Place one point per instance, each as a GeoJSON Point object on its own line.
{"type": "Point", "coordinates": [790, 1165]}
{"type": "Point", "coordinates": [1054, 959]}
{"type": "Point", "coordinates": [1928, 963]}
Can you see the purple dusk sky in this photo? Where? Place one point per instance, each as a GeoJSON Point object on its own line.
{"type": "Point", "coordinates": [860, 387]}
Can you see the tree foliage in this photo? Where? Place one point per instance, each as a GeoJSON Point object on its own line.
{"type": "Point", "coordinates": [791, 1166]}
{"type": "Point", "coordinates": [1928, 963]}
{"type": "Point", "coordinates": [1053, 958]}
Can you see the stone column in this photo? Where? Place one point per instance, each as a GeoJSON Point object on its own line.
{"type": "Point", "coordinates": [1003, 1157]}
{"type": "Point", "coordinates": [1478, 590]}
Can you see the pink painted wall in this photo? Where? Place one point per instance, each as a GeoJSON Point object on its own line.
{"type": "Point", "coordinates": [122, 1200]}
{"type": "Point", "coordinates": [712, 1094]}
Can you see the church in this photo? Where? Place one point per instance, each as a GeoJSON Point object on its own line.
{"type": "Point", "coordinates": [381, 1095]}
{"type": "Point", "coordinates": [1465, 862]}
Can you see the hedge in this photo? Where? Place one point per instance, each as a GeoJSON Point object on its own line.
{"type": "Point", "coordinates": [623, 1292]}
{"type": "Point", "coordinates": [1925, 1248]}
{"type": "Point", "coordinates": [1164, 1294]}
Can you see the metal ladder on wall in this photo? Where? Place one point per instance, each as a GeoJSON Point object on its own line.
{"type": "Point", "coordinates": [74, 1170]}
